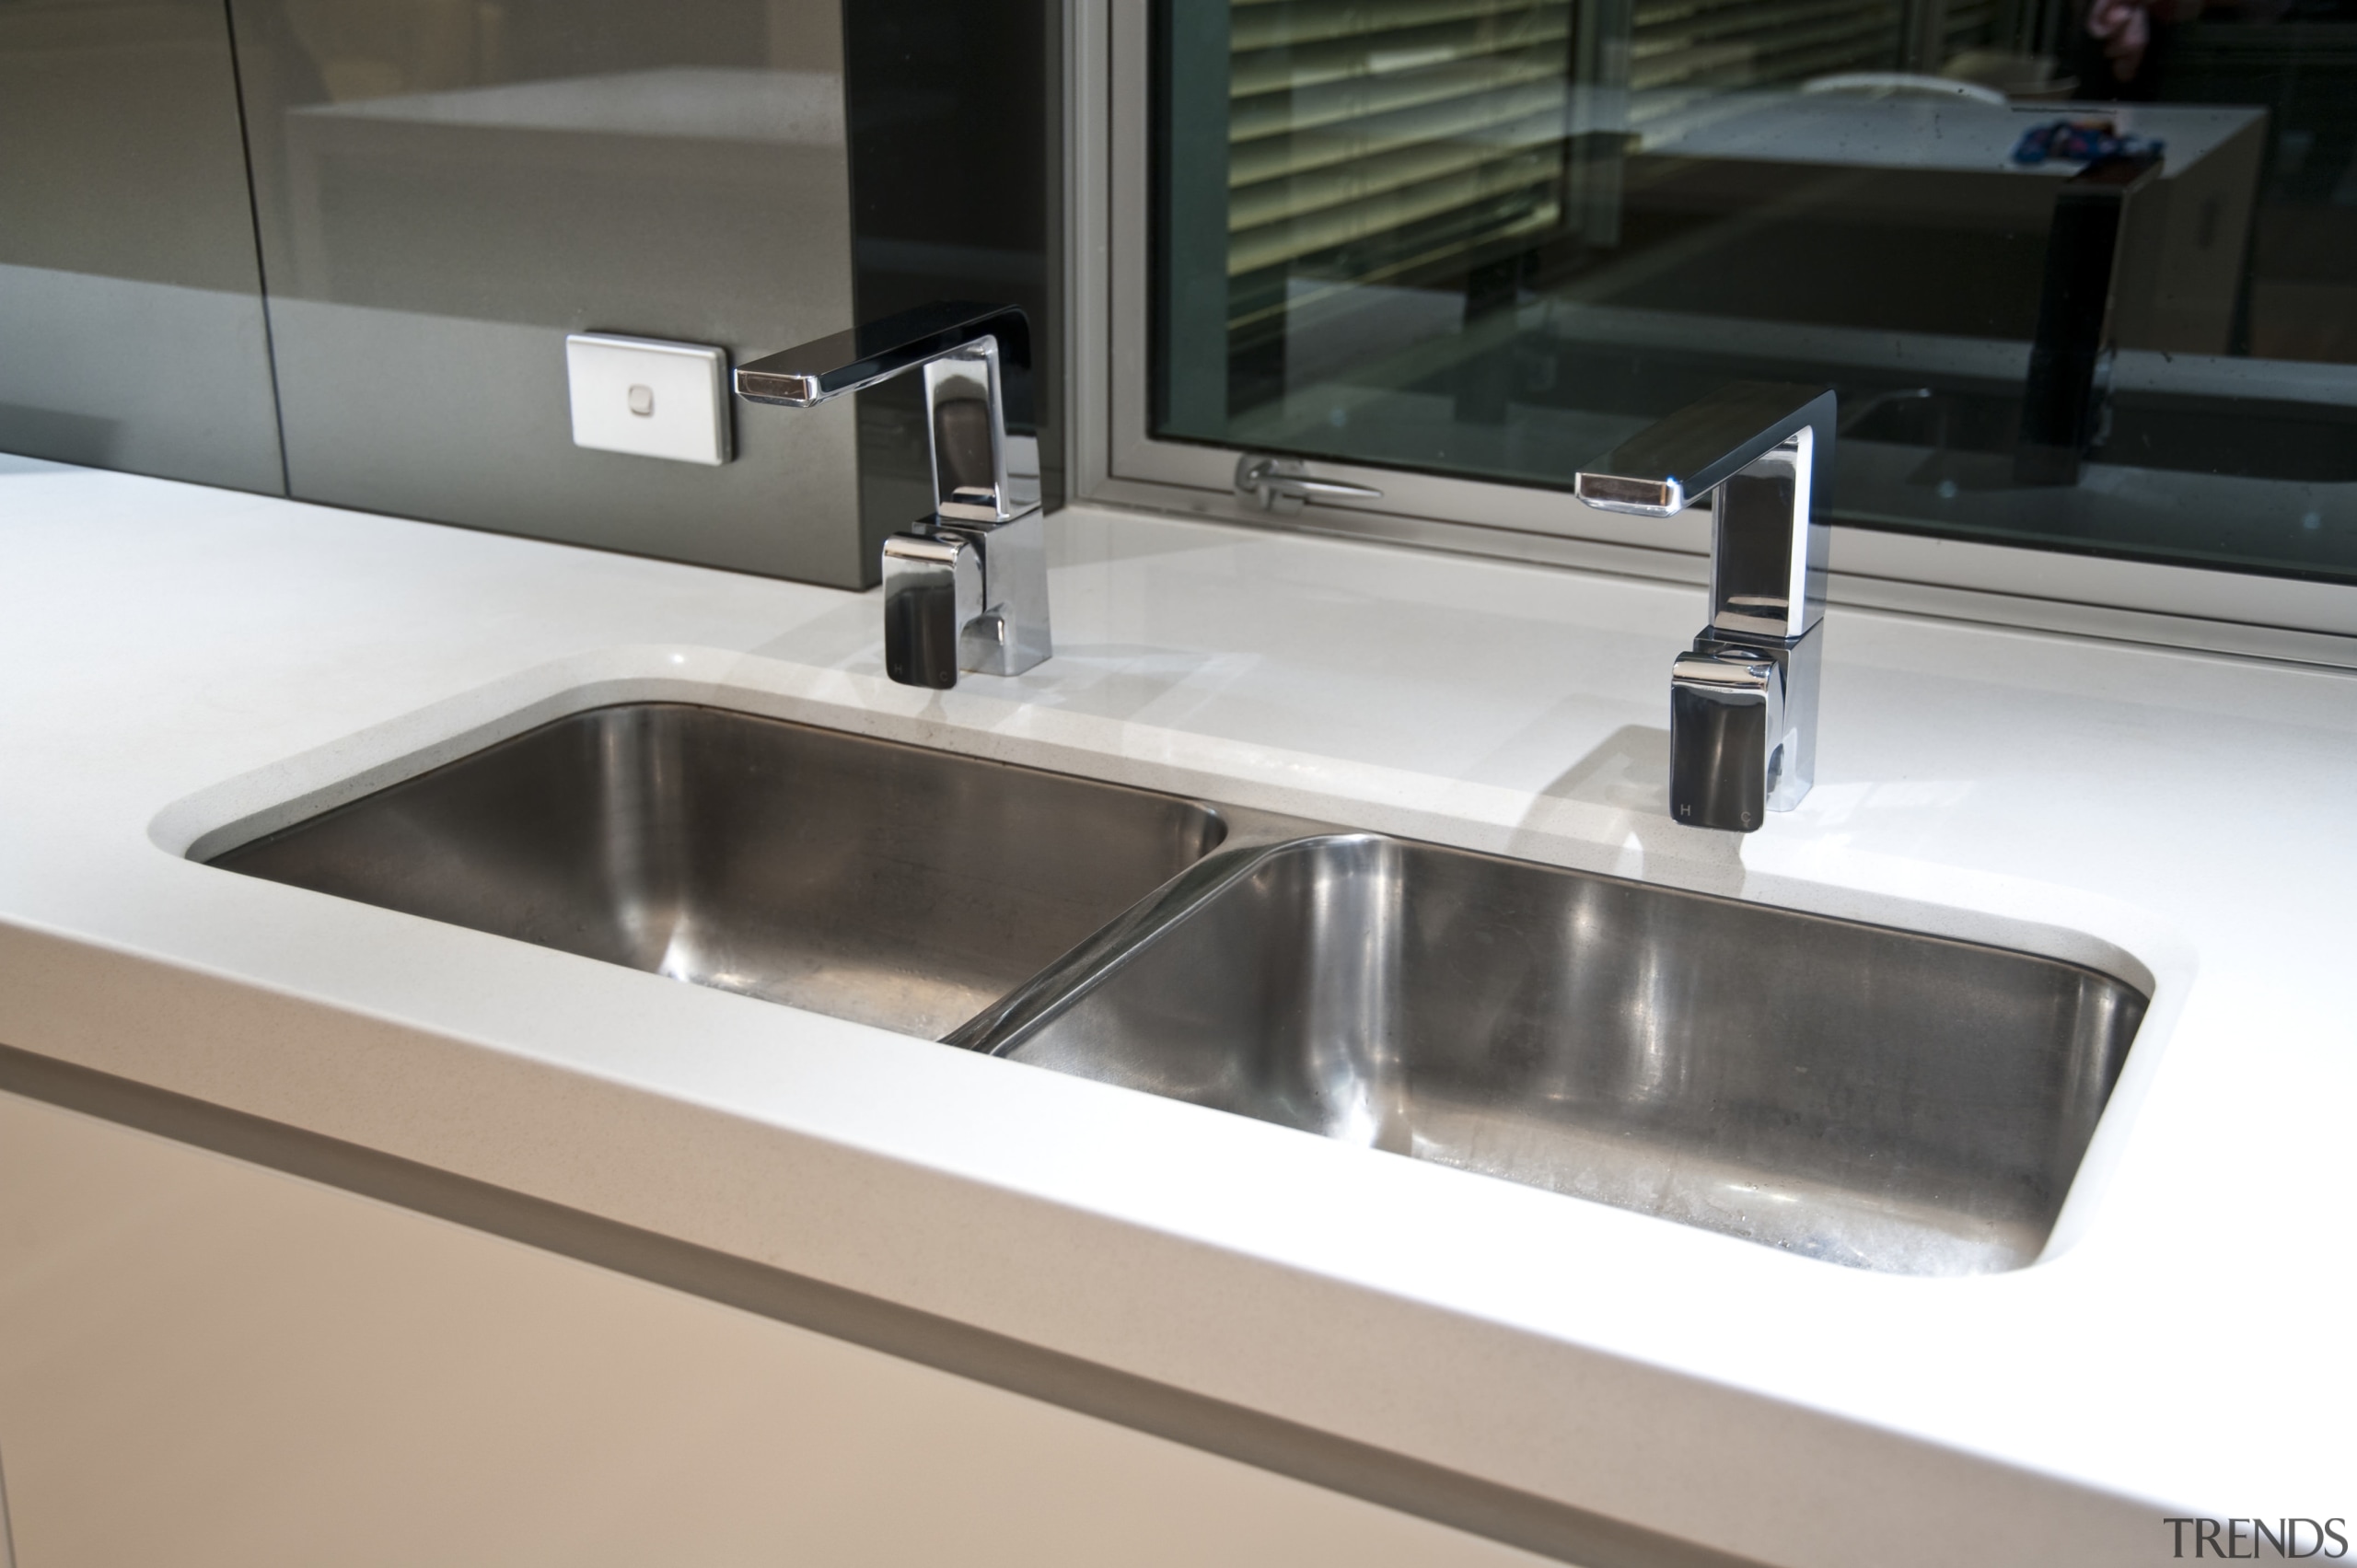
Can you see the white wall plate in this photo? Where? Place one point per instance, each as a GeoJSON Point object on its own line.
{"type": "Point", "coordinates": [649, 397]}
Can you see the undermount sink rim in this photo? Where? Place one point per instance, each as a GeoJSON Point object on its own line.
{"type": "Point", "coordinates": [1255, 833]}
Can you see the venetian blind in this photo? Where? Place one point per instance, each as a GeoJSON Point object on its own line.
{"type": "Point", "coordinates": [1371, 139]}
{"type": "Point", "coordinates": [1721, 44]}
{"type": "Point", "coordinates": [1368, 138]}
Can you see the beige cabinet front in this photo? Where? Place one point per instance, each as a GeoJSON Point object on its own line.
{"type": "Point", "coordinates": [204, 1362]}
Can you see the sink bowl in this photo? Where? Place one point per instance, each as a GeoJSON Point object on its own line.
{"type": "Point", "coordinates": [883, 883]}
{"type": "Point", "coordinates": [1867, 1095]}
{"type": "Point", "coordinates": [1872, 1096]}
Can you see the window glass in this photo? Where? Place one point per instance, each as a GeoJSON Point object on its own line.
{"type": "Point", "coordinates": [2083, 272]}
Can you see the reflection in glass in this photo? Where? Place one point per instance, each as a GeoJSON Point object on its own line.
{"type": "Point", "coordinates": [445, 188]}
{"type": "Point", "coordinates": [131, 314]}
{"type": "Point", "coordinates": [2083, 273]}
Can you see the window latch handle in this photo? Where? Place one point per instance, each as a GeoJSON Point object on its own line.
{"type": "Point", "coordinates": [1285, 485]}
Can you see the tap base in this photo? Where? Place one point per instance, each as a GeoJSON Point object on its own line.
{"type": "Point", "coordinates": [1743, 728]}
{"type": "Point", "coordinates": [968, 596]}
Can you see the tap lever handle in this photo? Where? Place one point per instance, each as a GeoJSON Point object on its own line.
{"type": "Point", "coordinates": [1727, 722]}
{"type": "Point", "coordinates": [932, 590]}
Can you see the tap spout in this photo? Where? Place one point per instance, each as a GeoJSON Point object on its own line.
{"type": "Point", "coordinates": [965, 588]}
{"type": "Point", "coordinates": [1754, 449]}
{"type": "Point", "coordinates": [1743, 712]}
{"type": "Point", "coordinates": [965, 351]}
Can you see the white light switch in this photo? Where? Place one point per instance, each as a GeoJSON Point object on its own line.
{"type": "Point", "coordinates": [648, 397]}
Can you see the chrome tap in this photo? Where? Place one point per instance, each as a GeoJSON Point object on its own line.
{"type": "Point", "coordinates": [1743, 699]}
{"type": "Point", "coordinates": [966, 588]}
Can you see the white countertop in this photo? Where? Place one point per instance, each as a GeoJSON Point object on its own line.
{"type": "Point", "coordinates": [181, 659]}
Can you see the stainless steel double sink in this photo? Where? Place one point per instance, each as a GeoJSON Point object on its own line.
{"type": "Point", "coordinates": [1872, 1096]}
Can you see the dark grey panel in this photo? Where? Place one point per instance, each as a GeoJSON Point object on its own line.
{"type": "Point", "coordinates": [130, 324]}
{"type": "Point", "coordinates": [446, 191]}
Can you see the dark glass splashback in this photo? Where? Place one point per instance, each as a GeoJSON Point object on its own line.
{"type": "Point", "coordinates": [436, 192]}
{"type": "Point", "coordinates": [131, 316]}
{"type": "Point", "coordinates": [445, 187]}
{"type": "Point", "coordinates": [1492, 239]}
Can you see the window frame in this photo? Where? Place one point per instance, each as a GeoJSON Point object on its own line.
{"type": "Point", "coordinates": [1114, 461]}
